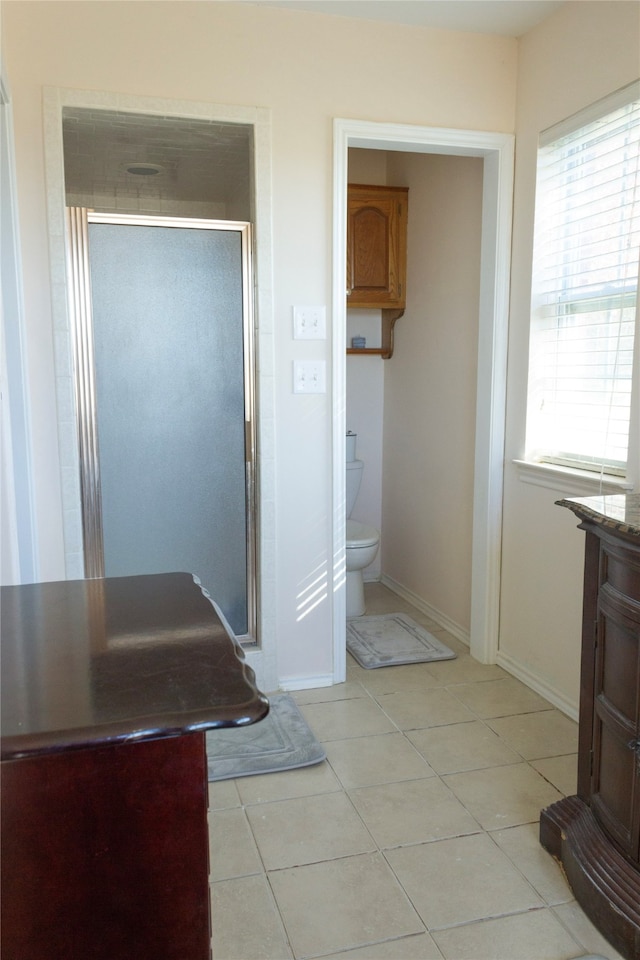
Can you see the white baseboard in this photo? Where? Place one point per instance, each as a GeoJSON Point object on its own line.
{"type": "Point", "coordinates": [508, 663]}
{"type": "Point", "coordinates": [306, 683]}
{"type": "Point", "coordinates": [440, 618]}
{"type": "Point", "coordinates": [532, 680]}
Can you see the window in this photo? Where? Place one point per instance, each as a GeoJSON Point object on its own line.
{"type": "Point", "coordinates": [584, 289]}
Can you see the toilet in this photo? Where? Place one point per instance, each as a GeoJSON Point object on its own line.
{"type": "Point", "coordinates": [362, 542]}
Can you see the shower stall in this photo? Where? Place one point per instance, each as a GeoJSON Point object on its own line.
{"type": "Point", "coordinates": [163, 347]}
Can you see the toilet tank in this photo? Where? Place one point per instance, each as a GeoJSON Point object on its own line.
{"type": "Point", "coordinates": [354, 476]}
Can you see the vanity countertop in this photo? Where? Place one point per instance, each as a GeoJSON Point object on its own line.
{"type": "Point", "coordinates": [619, 512]}
{"type": "Point", "coordinates": [116, 660]}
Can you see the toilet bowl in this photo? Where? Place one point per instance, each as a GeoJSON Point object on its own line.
{"type": "Point", "coordinates": [362, 542]}
{"type": "Point", "coordinates": [362, 547]}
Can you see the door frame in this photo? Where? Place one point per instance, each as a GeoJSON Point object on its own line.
{"type": "Point", "coordinates": [497, 152]}
{"type": "Point", "coordinates": [18, 558]}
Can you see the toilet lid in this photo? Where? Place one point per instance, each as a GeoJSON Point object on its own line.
{"type": "Point", "coordinates": [361, 534]}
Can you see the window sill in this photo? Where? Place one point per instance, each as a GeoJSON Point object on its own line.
{"type": "Point", "coordinates": [563, 479]}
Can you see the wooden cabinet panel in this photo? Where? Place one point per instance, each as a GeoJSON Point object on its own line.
{"type": "Point", "coordinates": [617, 660]}
{"type": "Point", "coordinates": [613, 776]}
{"type": "Point", "coordinates": [105, 853]}
{"type": "Point", "coordinates": [615, 771]}
{"type": "Point", "coordinates": [376, 246]}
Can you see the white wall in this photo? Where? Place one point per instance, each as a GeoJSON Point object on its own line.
{"type": "Point", "coordinates": [365, 378]}
{"type": "Point", "coordinates": [10, 537]}
{"type": "Point", "coordinates": [430, 388]}
{"type": "Point", "coordinates": [365, 416]}
{"type": "Point", "coordinates": [307, 69]}
{"type": "Point", "coordinates": [577, 56]}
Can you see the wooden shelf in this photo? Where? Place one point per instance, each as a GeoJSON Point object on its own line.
{"type": "Point", "coordinates": [389, 318]}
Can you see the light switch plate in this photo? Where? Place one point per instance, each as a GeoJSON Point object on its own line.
{"type": "Point", "coordinates": [310, 323]}
{"type": "Point", "coordinates": [309, 376]}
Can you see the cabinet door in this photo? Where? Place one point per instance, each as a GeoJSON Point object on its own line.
{"type": "Point", "coordinates": [376, 246]}
{"type": "Point", "coordinates": [615, 776]}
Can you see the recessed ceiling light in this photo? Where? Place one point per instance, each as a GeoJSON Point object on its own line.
{"type": "Point", "coordinates": [144, 169]}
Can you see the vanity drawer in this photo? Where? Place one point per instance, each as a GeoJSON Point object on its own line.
{"type": "Point", "coordinates": [621, 570]}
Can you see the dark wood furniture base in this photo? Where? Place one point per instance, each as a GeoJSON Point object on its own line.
{"type": "Point", "coordinates": [105, 853]}
{"type": "Point", "coordinates": [108, 687]}
{"type": "Point", "coordinates": [605, 884]}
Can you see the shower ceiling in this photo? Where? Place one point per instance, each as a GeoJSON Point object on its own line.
{"type": "Point", "coordinates": [201, 160]}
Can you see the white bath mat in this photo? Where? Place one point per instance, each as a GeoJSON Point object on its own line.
{"type": "Point", "coordinates": [392, 638]}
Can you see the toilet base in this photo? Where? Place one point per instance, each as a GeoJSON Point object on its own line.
{"type": "Point", "coordinates": [355, 593]}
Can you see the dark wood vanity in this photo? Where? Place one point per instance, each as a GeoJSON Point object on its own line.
{"type": "Point", "coordinates": [596, 834]}
{"type": "Point", "coordinates": [108, 687]}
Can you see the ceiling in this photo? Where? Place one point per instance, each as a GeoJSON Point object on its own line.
{"type": "Point", "coordinates": [199, 160]}
{"type": "Point", "coordinates": [509, 18]}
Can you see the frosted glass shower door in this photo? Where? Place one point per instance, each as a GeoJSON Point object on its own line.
{"type": "Point", "coordinates": [169, 316]}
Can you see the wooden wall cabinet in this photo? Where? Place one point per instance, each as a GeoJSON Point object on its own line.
{"type": "Point", "coordinates": [377, 255]}
{"type": "Point", "coordinates": [596, 834]}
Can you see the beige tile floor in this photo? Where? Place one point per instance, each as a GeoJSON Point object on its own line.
{"type": "Point", "coordinates": [417, 838]}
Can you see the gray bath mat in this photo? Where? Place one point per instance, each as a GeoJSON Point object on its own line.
{"type": "Point", "coordinates": [282, 741]}
{"type": "Point", "coordinates": [392, 639]}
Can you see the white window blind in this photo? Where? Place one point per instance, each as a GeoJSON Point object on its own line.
{"type": "Point", "coordinates": [584, 291]}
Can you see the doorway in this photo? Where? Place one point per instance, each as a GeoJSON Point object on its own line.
{"type": "Point", "coordinates": [217, 121]}
{"type": "Point", "coordinates": [496, 150]}
{"type": "Point", "coordinates": [163, 358]}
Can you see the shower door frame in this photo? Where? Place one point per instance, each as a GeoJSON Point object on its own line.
{"type": "Point", "coordinates": [81, 317]}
